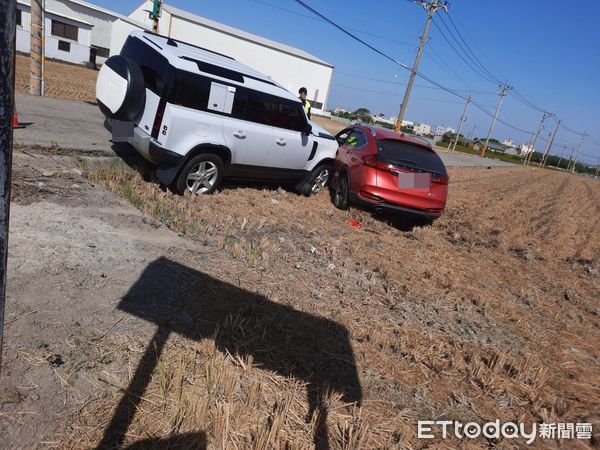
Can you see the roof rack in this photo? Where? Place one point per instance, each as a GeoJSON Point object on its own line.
{"type": "Point", "coordinates": [173, 42]}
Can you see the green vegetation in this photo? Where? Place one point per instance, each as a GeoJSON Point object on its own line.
{"type": "Point", "coordinates": [362, 114]}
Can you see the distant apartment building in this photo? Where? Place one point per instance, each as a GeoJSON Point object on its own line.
{"type": "Point", "coordinates": [440, 130]}
{"type": "Point", "coordinates": [391, 121]}
{"type": "Point", "coordinates": [422, 129]}
{"type": "Point", "coordinates": [526, 149]}
{"type": "Point", "coordinates": [408, 125]}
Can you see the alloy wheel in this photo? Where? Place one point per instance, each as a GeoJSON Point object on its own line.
{"type": "Point", "coordinates": [202, 177]}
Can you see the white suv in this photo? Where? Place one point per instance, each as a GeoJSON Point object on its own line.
{"type": "Point", "coordinates": [201, 116]}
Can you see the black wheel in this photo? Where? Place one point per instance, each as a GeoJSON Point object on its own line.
{"type": "Point", "coordinates": [316, 181]}
{"type": "Point", "coordinates": [340, 193]}
{"type": "Point", "coordinates": [120, 89]}
{"type": "Point", "coordinates": [201, 175]}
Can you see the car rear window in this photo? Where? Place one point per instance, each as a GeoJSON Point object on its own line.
{"type": "Point", "coordinates": [405, 154]}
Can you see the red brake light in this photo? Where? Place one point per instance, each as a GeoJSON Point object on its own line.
{"type": "Point", "coordinates": [439, 180]}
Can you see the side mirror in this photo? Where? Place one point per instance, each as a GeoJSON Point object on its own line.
{"type": "Point", "coordinates": [341, 137]}
{"type": "Point", "coordinates": [307, 129]}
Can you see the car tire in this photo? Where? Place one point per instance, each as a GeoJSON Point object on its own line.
{"type": "Point", "coordinates": [201, 175]}
{"type": "Point", "coordinates": [120, 89]}
{"type": "Point", "coordinates": [316, 181]}
{"type": "Point", "coordinates": [339, 194]}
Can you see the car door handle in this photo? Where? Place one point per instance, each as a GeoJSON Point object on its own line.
{"type": "Point", "coordinates": [239, 134]}
{"type": "Point", "coordinates": [281, 141]}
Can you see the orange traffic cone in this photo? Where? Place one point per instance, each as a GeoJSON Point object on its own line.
{"type": "Point", "coordinates": [15, 121]}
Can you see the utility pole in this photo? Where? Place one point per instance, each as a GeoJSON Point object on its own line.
{"type": "Point", "coordinates": [583, 138]}
{"type": "Point", "coordinates": [562, 153]}
{"type": "Point", "coordinates": [570, 158]}
{"type": "Point", "coordinates": [503, 92]}
{"type": "Point", "coordinates": [471, 132]}
{"type": "Point", "coordinates": [37, 48]}
{"type": "Point", "coordinates": [155, 15]}
{"type": "Point", "coordinates": [8, 18]}
{"type": "Point", "coordinates": [527, 159]}
{"type": "Point", "coordinates": [460, 125]}
{"type": "Point", "coordinates": [549, 146]}
{"type": "Point", "coordinates": [431, 6]}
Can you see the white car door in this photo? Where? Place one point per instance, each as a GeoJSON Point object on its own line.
{"type": "Point", "coordinates": [249, 140]}
{"type": "Point", "coordinates": [292, 147]}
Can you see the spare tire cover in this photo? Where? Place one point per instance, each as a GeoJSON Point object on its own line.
{"type": "Point", "coordinates": [120, 90]}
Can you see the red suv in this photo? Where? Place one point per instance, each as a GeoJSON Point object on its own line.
{"type": "Point", "coordinates": [388, 172]}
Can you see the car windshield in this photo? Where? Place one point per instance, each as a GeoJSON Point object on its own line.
{"type": "Point", "coordinates": [400, 153]}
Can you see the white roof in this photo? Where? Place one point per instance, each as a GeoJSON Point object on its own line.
{"type": "Point", "coordinates": [182, 56]}
{"type": "Point", "coordinates": [243, 34]}
{"type": "Point", "coordinates": [58, 8]}
{"type": "Point", "coordinates": [107, 11]}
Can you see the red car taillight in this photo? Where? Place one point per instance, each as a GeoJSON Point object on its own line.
{"type": "Point", "coordinates": [370, 161]}
{"type": "Point", "coordinates": [439, 180]}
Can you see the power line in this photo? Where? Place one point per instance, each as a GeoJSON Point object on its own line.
{"type": "Point", "coordinates": [480, 64]}
{"type": "Point", "coordinates": [442, 64]}
{"type": "Point", "coordinates": [404, 66]}
{"type": "Point", "coordinates": [377, 36]}
{"type": "Point", "coordinates": [391, 94]}
{"type": "Point", "coordinates": [431, 6]}
{"type": "Point", "coordinates": [503, 92]}
{"type": "Point", "coordinates": [476, 70]}
{"type": "Point", "coordinates": [399, 83]}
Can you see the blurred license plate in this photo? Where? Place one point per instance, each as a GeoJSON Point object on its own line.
{"type": "Point", "coordinates": [414, 180]}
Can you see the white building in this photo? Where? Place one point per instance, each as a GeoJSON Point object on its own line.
{"type": "Point", "coordinates": [389, 121]}
{"type": "Point", "coordinates": [289, 66]}
{"type": "Point", "coordinates": [422, 129]}
{"type": "Point", "coordinates": [80, 32]}
{"type": "Point", "coordinates": [440, 130]}
{"type": "Point", "coordinates": [76, 31]}
{"type": "Point", "coordinates": [526, 149]}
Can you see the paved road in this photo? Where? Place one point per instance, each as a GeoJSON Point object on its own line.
{"type": "Point", "coordinates": [69, 124]}
{"type": "Point", "coordinates": [78, 125]}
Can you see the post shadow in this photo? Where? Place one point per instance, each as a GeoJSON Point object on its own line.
{"type": "Point", "coordinates": [279, 338]}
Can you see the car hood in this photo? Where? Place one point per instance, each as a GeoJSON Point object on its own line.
{"type": "Point", "coordinates": [319, 131]}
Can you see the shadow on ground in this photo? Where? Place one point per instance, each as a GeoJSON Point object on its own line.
{"type": "Point", "coordinates": [279, 338]}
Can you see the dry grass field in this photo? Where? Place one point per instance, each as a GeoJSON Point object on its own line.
{"type": "Point", "coordinates": [62, 80]}
{"type": "Point", "coordinates": [305, 328]}
{"type": "Point", "coordinates": [302, 329]}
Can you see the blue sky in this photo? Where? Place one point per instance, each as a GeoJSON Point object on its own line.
{"type": "Point", "coordinates": [549, 51]}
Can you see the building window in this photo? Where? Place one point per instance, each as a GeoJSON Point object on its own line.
{"type": "Point", "coordinates": [19, 17]}
{"type": "Point", "coordinates": [64, 30]}
{"type": "Point", "coordinates": [102, 52]}
{"type": "Point", "coordinates": [64, 46]}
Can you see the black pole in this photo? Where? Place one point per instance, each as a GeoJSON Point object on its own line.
{"type": "Point", "coordinates": [8, 18]}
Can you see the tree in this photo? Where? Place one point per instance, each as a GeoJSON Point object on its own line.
{"type": "Point", "coordinates": [362, 114]}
